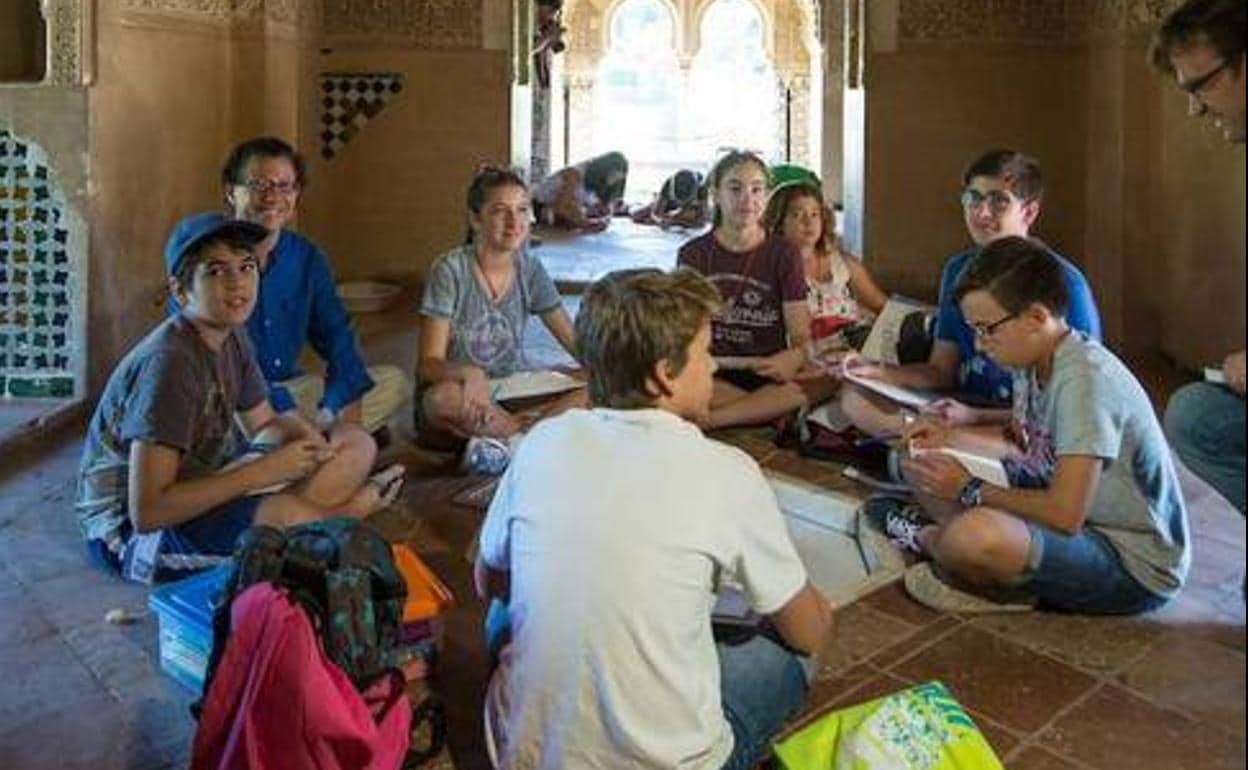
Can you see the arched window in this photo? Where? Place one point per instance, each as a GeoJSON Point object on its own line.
{"type": "Point", "coordinates": [636, 94]}
{"type": "Point", "coordinates": [734, 90]}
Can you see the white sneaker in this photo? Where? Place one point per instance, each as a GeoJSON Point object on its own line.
{"type": "Point", "coordinates": [926, 586]}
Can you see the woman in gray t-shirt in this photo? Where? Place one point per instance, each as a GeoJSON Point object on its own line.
{"type": "Point", "coordinates": [477, 300]}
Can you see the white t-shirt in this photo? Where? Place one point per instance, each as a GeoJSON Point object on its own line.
{"type": "Point", "coordinates": [617, 527]}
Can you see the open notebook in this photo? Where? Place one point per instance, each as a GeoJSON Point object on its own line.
{"type": "Point", "coordinates": [987, 468]}
{"type": "Point", "coordinates": [542, 382]}
{"type": "Point", "coordinates": [915, 399]}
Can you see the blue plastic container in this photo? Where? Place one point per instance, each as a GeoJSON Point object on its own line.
{"type": "Point", "coordinates": [184, 611]}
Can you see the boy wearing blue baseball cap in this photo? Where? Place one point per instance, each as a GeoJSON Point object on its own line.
{"type": "Point", "coordinates": [166, 481]}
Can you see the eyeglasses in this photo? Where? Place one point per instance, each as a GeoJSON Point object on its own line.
{"type": "Point", "coordinates": [262, 186]}
{"type": "Point", "coordinates": [998, 200]}
{"type": "Point", "coordinates": [1199, 84]}
{"type": "Point", "coordinates": [987, 330]}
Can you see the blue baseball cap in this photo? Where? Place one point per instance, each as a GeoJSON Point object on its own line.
{"type": "Point", "coordinates": [197, 228]}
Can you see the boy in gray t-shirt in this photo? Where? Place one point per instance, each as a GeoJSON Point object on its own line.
{"type": "Point", "coordinates": [164, 484]}
{"type": "Point", "coordinates": [1094, 519]}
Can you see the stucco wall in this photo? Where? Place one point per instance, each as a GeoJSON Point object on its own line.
{"type": "Point", "coordinates": [931, 109]}
{"type": "Point", "coordinates": [1148, 201]}
{"type": "Point", "coordinates": [393, 198]}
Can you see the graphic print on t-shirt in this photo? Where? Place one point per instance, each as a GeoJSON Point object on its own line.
{"type": "Point", "coordinates": [489, 339]}
{"type": "Point", "coordinates": [744, 310]}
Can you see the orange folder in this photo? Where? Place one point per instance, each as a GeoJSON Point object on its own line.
{"type": "Point", "coordinates": [427, 596]}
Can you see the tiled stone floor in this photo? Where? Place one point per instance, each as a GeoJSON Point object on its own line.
{"type": "Point", "coordinates": [1164, 690]}
{"type": "Point", "coordinates": [1051, 692]}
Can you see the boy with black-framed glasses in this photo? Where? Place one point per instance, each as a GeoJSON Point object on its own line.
{"type": "Point", "coordinates": [1000, 197]}
{"type": "Point", "coordinates": [1092, 519]}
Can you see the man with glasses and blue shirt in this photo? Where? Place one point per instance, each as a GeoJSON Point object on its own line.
{"type": "Point", "coordinates": [298, 302]}
{"type": "Point", "coordinates": [1001, 195]}
{"type": "Point", "coordinates": [1202, 45]}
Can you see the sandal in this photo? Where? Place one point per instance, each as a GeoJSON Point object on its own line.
{"type": "Point", "coordinates": [388, 481]}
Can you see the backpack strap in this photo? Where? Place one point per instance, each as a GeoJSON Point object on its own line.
{"type": "Point", "coordinates": [431, 710]}
{"type": "Point", "coordinates": [258, 557]}
{"type": "Point", "coordinates": [364, 605]}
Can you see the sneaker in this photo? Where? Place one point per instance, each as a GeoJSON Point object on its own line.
{"type": "Point", "coordinates": [899, 520]}
{"type": "Point", "coordinates": [486, 456]}
{"type": "Point", "coordinates": [930, 586]}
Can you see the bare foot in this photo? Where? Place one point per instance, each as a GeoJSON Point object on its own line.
{"type": "Point", "coordinates": [379, 491]}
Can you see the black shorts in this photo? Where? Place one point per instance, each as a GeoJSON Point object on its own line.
{"type": "Point", "coordinates": [745, 379]}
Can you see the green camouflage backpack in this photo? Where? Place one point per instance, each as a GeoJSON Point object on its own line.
{"type": "Point", "coordinates": [342, 573]}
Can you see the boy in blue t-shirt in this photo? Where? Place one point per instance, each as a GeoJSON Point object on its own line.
{"type": "Point", "coordinates": [1092, 519]}
{"type": "Point", "coordinates": [165, 484]}
{"type": "Point", "coordinates": [1001, 194]}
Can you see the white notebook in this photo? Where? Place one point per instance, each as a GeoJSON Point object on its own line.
{"type": "Point", "coordinates": [916, 399]}
{"type": "Point", "coordinates": [535, 383]}
{"type": "Point", "coordinates": [989, 469]}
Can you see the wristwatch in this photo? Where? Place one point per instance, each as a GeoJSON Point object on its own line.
{"type": "Point", "coordinates": [972, 492]}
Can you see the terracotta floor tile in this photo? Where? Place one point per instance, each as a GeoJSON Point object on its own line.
{"type": "Point", "coordinates": [1198, 678]}
{"type": "Point", "coordinates": [892, 599]}
{"type": "Point", "coordinates": [790, 463]}
{"type": "Point", "coordinates": [1001, 739]}
{"type": "Point", "coordinates": [1201, 613]}
{"type": "Point", "coordinates": [1036, 758]}
{"type": "Point", "coordinates": [857, 633]}
{"type": "Point", "coordinates": [911, 645]}
{"type": "Point", "coordinates": [827, 688]}
{"type": "Point", "coordinates": [756, 442]}
{"type": "Point", "coordinates": [1007, 682]}
{"type": "Point", "coordinates": [876, 687]}
{"type": "Point", "coordinates": [1097, 644]}
{"type": "Point", "coordinates": [1114, 729]}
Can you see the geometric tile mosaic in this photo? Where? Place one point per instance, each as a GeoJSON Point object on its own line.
{"type": "Point", "coordinates": [37, 282]}
{"type": "Point", "coordinates": [348, 101]}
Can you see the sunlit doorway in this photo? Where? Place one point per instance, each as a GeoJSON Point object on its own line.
{"type": "Point", "coordinates": [672, 82]}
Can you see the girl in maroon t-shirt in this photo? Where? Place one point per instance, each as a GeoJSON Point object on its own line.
{"type": "Point", "coordinates": [760, 336]}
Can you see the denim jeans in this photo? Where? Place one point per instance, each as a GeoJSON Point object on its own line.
{"type": "Point", "coordinates": [761, 685]}
{"type": "Point", "coordinates": [1082, 573]}
{"type": "Point", "coordinates": [1205, 425]}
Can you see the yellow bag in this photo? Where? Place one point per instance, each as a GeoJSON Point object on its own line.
{"type": "Point", "coordinates": [922, 728]}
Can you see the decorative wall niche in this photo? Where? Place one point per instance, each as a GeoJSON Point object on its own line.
{"type": "Point", "coordinates": [40, 282]}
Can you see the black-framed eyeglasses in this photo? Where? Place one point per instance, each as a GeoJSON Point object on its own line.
{"type": "Point", "coordinates": [998, 200]}
{"type": "Point", "coordinates": [261, 186]}
{"type": "Point", "coordinates": [987, 330]}
{"type": "Point", "coordinates": [1197, 85]}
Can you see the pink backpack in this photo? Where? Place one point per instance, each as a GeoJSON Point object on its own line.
{"type": "Point", "coordinates": [277, 702]}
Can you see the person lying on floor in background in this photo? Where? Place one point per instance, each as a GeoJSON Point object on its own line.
{"type": "Point", "coordinates": [584, 196]}
{"type": "Point", "coordinates": [1092, 519]}
{"type": "Point", "coordinates": [477, 301]}
{"type": "Point", "coordinates": [605, 546]}
{"type": "Point", "coordinates": [164, 487]}
{"type": "Point", "coordinates": [761, 333]}
{"type": "Point", "coordinates": [680, 202]}
{"type": "Point", "coordinates": [298, 305]}
{"type": "Point", "coordinates": [1001, 196]}
{"type": "Point", "coordinates": [842, 295]}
